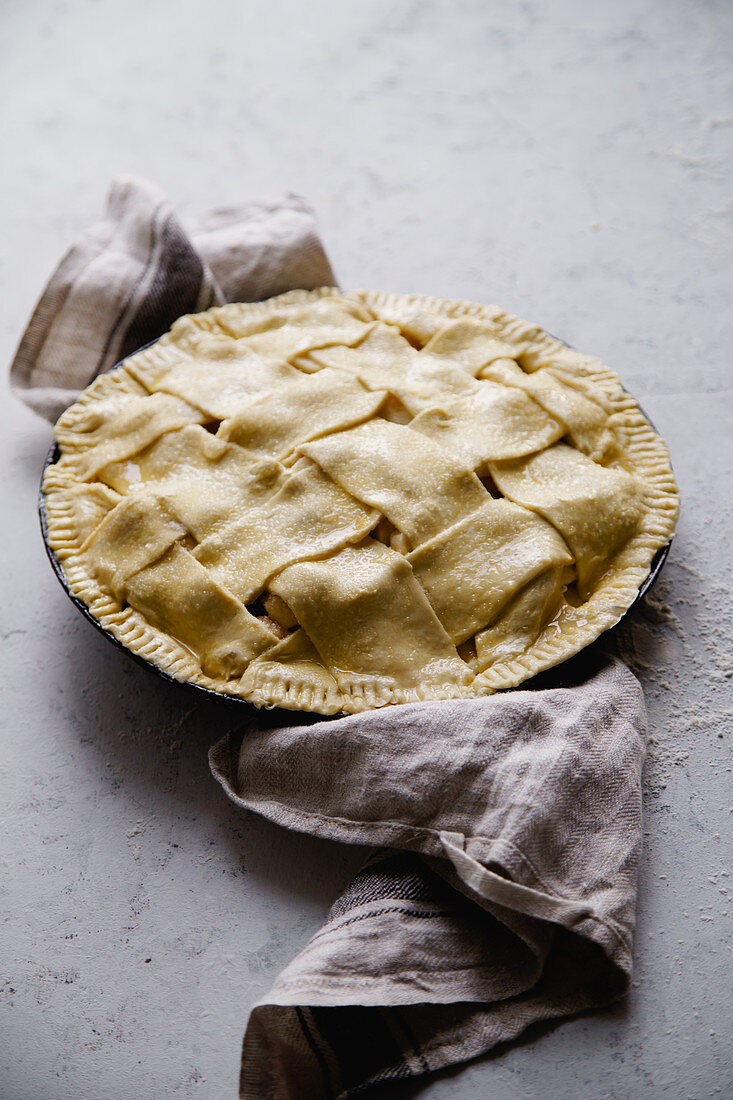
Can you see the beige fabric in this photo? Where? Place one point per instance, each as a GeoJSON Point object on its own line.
{"type": "Point", "coordinates": [511, 898]}
{"type": "Point", "coordinates": [133, 273]}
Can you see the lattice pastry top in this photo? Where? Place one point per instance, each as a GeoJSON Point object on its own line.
{"type": "Point", "coordinates": [335, 501]}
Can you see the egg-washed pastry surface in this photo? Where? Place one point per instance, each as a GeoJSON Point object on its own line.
{"type": "Point", "coordinates": [333, 501]}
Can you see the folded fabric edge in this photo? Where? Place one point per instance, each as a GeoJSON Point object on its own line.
{"type": "Point", "coordinates": [315, 1043]}
{"type": "Point", "coordinates": [333, 1009]}
{"type": "Point", "coordinates": [463, 870]}
{"type": "Point", "coordinates": [303, 1052]}
{"type": "Point", "coordinates": [304, 1035]}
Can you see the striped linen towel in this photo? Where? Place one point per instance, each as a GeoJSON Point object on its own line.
{"type": "Point", "coordinates": [504, 894]}
{"type": "Point", "coordinates": [509, 827]}
{"type": "Point", "coordinates": [132, 274]}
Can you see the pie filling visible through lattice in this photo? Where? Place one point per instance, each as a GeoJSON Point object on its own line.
{"type": "Point", "coordinates": [335, 501]}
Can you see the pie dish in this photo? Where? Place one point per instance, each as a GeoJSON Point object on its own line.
{"type": "Point", "coordinates": [336, 501]}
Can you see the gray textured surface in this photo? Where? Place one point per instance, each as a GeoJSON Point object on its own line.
{"type": "Point", "coordinates": [569, 161]}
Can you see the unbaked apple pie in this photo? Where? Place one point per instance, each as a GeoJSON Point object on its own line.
{"type": "Point", "coordinates": [333, 501]}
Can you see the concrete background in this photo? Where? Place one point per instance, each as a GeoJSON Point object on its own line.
{"type": "Point", "coordinates": [570, 161]}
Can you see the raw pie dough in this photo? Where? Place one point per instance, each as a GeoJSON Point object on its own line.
{"type": "Point", "coordinates": [335, 501]}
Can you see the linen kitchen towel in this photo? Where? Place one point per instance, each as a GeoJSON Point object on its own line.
{"type": "Point", "coordinates": [506, 894]}
{"type": "Point", "coordinates": [510, 826]}
{"type": "Point", "coordinates": [132, 274]}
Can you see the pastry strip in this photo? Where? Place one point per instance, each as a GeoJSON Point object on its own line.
{"type": "Point", "coordinates": [414, 482]}
{"type": "Point", "coordinates": [221, 375]}
{"type": "Point", "coordinates": [299, 411]}
{"type": "Point", "coordinates": [87, 504]}
{"type": "Point", "coordinates": [469, 343]}
{"type": "Point", "coordinates": [190, 451]}
{"type": "Point", "coordinates": [324, 310]}
{"type": "Point", "coordinates": [585, 420]}
{"type": "Point", "coordinates": [117, 428]}
{"type": "Point", "coordinates": [472, 570]}
{"type": "Point", "coordinates": [596, 510]}
{"type": "Point", "coordinates": [292, 674]}
{"type": "Point", "coordinates": [495, 422]}
{"type": "Point", "coordinates": [179, 597]}
{"type": "Point", "coordinates": [380, 360]}
{"type": "Point", "coordinates": [136, 532]}
{"type": "Point", "coordinates": [292, 341]}
{"type": "Point", "coordinates": [370, 621]}
{"type": "Point", "coordinates": [308, 517]}
{"type": "Point", "coordinates": [521, 621]}
{"type": "Point", "coordinates": [385, 360]}
{"type": "Point", "coordinates": [205, 481]}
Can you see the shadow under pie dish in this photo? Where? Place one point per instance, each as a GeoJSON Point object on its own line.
{"type": "Point", "coordinates": [335, 501]}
